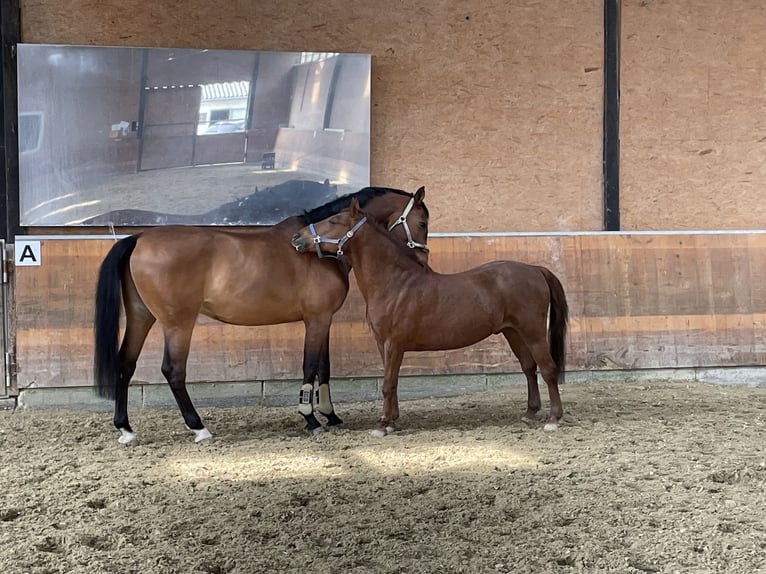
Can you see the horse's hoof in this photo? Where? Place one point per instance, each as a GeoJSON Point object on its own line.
{"type": "Point", "coordinates": [550, 427]}
{"type": "Point", "coordinates": [526, 420]}
{"type": "Point", "coordinates": [333, 420]}
{"type": "Point", "coordinates": [127, 438]}
{"type": "Point", "coordinates": [202, 434]}
{"type": "Point", "coordinates": [381, 432]}
{"type": "Point", "coordinates": [316, 431]}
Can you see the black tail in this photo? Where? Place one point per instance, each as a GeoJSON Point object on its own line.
{"type": "Point", "coordinates": [557, 325]}
{"type": "Point", "coordinates": [106, 361]}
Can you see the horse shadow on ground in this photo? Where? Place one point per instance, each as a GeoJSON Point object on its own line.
{"type": "Point", "coordinates": [463, 413]}
{"type": "Point", "coordinates": [591, 404]}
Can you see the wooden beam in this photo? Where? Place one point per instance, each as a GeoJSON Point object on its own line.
{"type": "Point", "coordinates": [611, 162]}
{"type": "Point", "coordinates": [10, 31]}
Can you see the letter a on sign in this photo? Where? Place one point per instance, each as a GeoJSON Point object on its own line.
{"type": "Point", "coordinates": [27, 253]}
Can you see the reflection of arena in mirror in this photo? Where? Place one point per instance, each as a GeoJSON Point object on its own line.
{"type": "Point", "coordinates": [191, 136]}
{"type": "Point", "coordinates": [261, 206]}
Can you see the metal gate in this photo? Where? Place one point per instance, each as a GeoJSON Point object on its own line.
{"type": "Point", "coordinates": [168, 135]}
{"type": "Point", "coordinates": [8, 388]}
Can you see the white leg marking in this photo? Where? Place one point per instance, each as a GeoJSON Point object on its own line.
{"type": "Point", "coordinates": [126, 437]}
{"type": "Point", "coordinates": [378, 433]}
{"type": "Point", "coordinates": [551, 427]}
{"type": "Point", "coordinates": [202, 434]}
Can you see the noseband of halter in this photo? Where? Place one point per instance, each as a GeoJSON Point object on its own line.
{"type": "Point", "coordinates": [403, 220]}
{"type": "Point", "coordinates": [318, 239]}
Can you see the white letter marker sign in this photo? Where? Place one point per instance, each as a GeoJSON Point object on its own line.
{"type": "Point", "coordinates": [27, 253]}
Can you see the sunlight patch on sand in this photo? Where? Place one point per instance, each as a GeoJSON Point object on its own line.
{"type": "Point", "coordinates": [267, 466]}
{"type": "Point", "coordinates": [382, 460]}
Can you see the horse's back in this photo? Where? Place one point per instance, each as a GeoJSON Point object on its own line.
{"type": "Point", "coordinates": [179, 251]}
{"type": "Point", "coordinates": [504, 275]}
{"type": "Point", "coordinates": [243, 277]}
{"type": "Point", "coordinates": [512, 292]}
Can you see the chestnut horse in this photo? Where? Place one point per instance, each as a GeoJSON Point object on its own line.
{"type": "Point", "coordinates": [239, 276]}
{"type": "Point", "coordinates": [413, 308]}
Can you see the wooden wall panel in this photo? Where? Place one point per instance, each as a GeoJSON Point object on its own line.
{"type": "Point", "coordinates": [692, 133]}
{"type": "Point", "coordinates": [637, 301]}
{"type": "Point", "coordinates": [485, 102]}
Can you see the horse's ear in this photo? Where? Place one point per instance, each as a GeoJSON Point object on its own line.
{"type": "Point", "coordinates": [420, 194]}
{"type": "Point", "coordinates": [355, 207]}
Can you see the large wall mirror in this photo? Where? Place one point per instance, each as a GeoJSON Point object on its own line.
{"type": "Point", "coordinates": [148, 136]}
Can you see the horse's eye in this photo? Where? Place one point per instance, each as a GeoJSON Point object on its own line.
{"type": "Point", "coordinates": [422, 225]}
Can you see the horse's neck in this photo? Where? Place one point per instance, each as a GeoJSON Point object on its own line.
{"type": "Point", "coordinates": [377, 210]}
{"type": "Point", "coordinates": [376, 259]}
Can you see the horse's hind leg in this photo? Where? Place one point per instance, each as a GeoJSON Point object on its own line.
{"type": "Point", "coordinates": [529, 367]}
{"type": "Point", "coordinates": [550, 373]}
{"type": "Point", "coordinates": [138, 322]}
{"type": "Point", "coordinates": [177, 342]}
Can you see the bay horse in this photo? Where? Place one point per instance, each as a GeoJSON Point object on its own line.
{"type": "Point", "coordinates": [248, 276]}
{"type": "Point", "coordinates": [413, 308]}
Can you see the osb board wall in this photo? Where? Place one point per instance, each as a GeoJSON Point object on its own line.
{"type": "Point", "coordinates": [693, 132]}
{"type": "Point", "coordinates": [494, 106]}
{"type": "Point", "coordinates": [636, 302]}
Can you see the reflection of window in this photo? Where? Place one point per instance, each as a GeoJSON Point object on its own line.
{"type": "Point", "coordinates": [226, 121]}
{"type": "Point", "coordinates": [222, 103]}
{"type": "Point", "coordinates": [226, 127]}
{"type": "Point", "coordinates": [30, 131]}
{"type": "Point", "coordinates": [217, 115]}
{"type": "Point", "coordinates": [316, 56]}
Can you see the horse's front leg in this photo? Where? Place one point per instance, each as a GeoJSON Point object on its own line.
{"type": "Point", "coordinates": [392, 362]}
{"type": "Point", "coordinates": [324, 398]}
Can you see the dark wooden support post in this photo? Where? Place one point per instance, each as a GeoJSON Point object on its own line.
{"type": "Point", "coordinates": [10, 32]}
{"type": "Point", "coordinates": [611, 158]}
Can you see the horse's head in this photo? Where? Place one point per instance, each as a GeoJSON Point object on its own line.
{"type": "Point", "coordinates": [413, 224]}
{"type": "Point", "coordinates": [329, 235]}
{"type": "Point", "coordinates": [404, 216]}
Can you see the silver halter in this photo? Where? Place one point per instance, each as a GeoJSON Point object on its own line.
{"type": "Point", "coordinates": [403, 220]}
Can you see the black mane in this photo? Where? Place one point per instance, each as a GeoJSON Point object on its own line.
{"type": "Point", "coordinates": [363, 196]}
